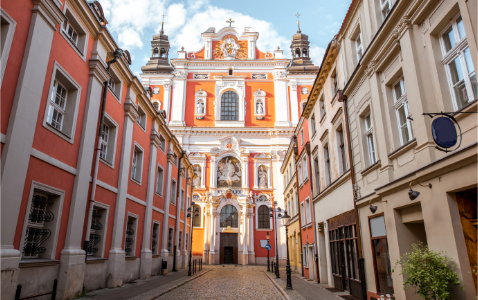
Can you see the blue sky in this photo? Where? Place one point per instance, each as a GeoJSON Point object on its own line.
{"type": "Point", "coordinates": [133, 23]}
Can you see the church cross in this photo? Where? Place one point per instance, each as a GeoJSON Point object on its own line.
{"type": "Point", "coordinates": [230, 21]}
{"type": "Point", "coordinates": [298, 27]}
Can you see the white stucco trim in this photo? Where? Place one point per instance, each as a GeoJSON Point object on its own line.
{"type": "Point", "coordinates": [52, 161]}
{"type": "Point", "coordinates": [132, 198]}
{"type": "Point", "coordinates": [8, 42]}
{"type": "Point", "coordinates": [271, 221]}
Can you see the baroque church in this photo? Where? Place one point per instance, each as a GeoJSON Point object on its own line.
{"type": "Point", "coordinates": [233, 108]}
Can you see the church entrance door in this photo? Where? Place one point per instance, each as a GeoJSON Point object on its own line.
{"type": "Point", "coordinates": [229, 248]}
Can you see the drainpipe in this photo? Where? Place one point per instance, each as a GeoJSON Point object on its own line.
{"type": "Point", "coordinates": [178, 212]}
{"type": "Point", "coordinates": [296, 153]}
{"type": "Point", "coordinates": [117, 54]}
{"type": "Point", "coordinates": [307, 148]}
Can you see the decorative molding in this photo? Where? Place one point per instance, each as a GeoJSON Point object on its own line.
{"type": "Point", "coordinates": [201, 76]}
{"type": "Point", "coordinates": [180, 74]}
{"type": "Point", "coordinates": [49, 11]}
{"type": "Point", "coordinates": [52, 161]}
{"type": "Point", "coordinates": [279, 74]}
{"type": "Point", "coordinates": [258, 76]}
{"type": "Point", "coordinates": [98, 70]}
{"type": "Point", "coordinates": [131, 111]}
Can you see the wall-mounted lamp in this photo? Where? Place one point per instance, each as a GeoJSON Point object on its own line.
{"type": "Point", "coordinates": [319, 227]}
{"type": "Point", "coordinates": [372, 208]}
{"type": "Point", "coordinates": [414, 194]}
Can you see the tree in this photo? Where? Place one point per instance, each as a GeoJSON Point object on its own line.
{"type": "Point", "coordinates": [430, 272]}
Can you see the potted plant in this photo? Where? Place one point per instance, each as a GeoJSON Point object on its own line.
{"type": "Point", "coordinates": [430, 272]}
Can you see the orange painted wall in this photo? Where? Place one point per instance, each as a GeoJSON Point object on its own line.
{"type": "Point", "coordinates": [159, 96]}
{"type": "Point", "coordinates": [197, 55]}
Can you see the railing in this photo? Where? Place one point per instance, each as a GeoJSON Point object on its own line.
{"type": "Point", "coordinates": [52, 293]}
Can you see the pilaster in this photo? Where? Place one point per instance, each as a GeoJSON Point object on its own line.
{"type": "Point", "coordinates": [294, 103]}
{"type": "Point", "coordinates": [281, 98]}
{"type": "Point", "coordinates": [178, 105]}
{"type": "Point", "coordinates": [167, 99]}
{"type": "Point", "coordinates": [167, 201]}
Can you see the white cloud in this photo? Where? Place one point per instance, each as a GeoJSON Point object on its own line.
{"type": "Point", "coordinates": [316, 54]}
{"type": "Point", "coordinates": [129, 39]}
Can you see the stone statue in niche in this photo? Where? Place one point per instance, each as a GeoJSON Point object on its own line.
{"type": "Point", "coordinates": [229, 172]}
{"type": "Point", "coordinates": [260, 108]}
{"type": "Point", "coordinates": [263, 176]}
{"type": "Point", "coordinates": [200, 108]}
{"type": "Point", "coordinates": [197, 178]}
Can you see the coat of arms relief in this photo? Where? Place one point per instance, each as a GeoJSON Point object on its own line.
{"type": "Point", "coordinates": [230, 48]}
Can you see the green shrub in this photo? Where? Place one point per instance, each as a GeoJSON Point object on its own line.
{"type": "Point", "coordinates": [429, 272]}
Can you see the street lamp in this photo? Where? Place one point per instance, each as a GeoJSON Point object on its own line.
{"type": "Point", "coordinates": [191, 232]}
{"type": "Point", "coordinates": [285, 221]}
{"type": "Point", "coordinates": [267, 238]}
{"type": "Point", "coordinates": [275, 212]}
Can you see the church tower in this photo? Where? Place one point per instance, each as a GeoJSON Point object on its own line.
{"type": "Point", "coordinates": [301, 62]}
{"type": "Point", "coordinates": [159, 61]}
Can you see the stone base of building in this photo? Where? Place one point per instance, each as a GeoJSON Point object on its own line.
{"type": "Point", "coordinates": [9, 283]}
{"type": "Point", "coordinates": [72, 267]}
{"type": "Point", "coordinates": [146, 264]}
{"type": "Point", "coordinates": [116, 265]}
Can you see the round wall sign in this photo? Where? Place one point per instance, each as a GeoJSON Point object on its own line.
{"type": "Point", "coordinates": [444, 132]}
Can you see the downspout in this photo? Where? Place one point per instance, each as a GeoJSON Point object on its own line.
{"type": "Point", "coordinates": [178, 209]}
{"type": "Point", "coordinates": [117, 54]}
{"type": "Point", "coordinates": [307, 149]}
{"type": "Point", "coordinates": [296, 153]}
{"type": "Point", "coordinates": [185, 214]}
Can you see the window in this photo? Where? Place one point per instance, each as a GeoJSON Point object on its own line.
{"type": "Point", "coordinates": [381, 257]}
{"type": "Point", "coordinates": [264, 217]}
{"type": "Point", "coordinates": [312, 124]}
{"type": "Point", "coordinates": [302, 214]}
{"type": "Point", "coordinates": [160, 181]}
{"type": "Point", "coordinates": [74, 32]}
{"type": "Point", "coordinates": [181, 199]}
{"type": "Point", "coordinates": [343, 248]}
{"type": "Point", "coordinates": [341, 149]}
{"type": "Point", "coordinates": [70, 32]}
{"type": "Point", "coordinates": [385, 6]}
{"type": "Point", "coordinates": [307, 211]}
{"type": "Point", "coordinates": [458, 64]}
{"type": "Point", "coordinates": [335, 83]}
{"type": "Point", "coordinates": [115, 85]}
{"type": "Point", "coordinates": [197, 216]}
{"type": "Point", "coordinates": [155, 239]}
{"type": "Point", "coordinates": [402, 112]}
{"type": "Point", "coordinates": [322, 107]}
{"type": "Point", "coordinates": [61, 111]}
{"type": "Point", "coordinates": [327, 165]}
{"type": "Point", "coordinates": [370, 140]}
{"type": "Point", "coordinates": [97, 231]}
{"type": "Point", "coordinates": [303, 105]}
{"type": "Point", "coordinates": [173, 192]}
{"type": "Point", "coordinates": [137, 164]}
{"type": "Point", "coordinates": [141, 120]}
{"type": "Point", "coordinates": [306, 258]}
{"type": "Point", "coordinates": [230, 71]}
{"type": "Point", "coordinates": [359, 46]}
{"type": "Point", "coordinates": [162, 143]}
{"type": "Point", "coordinates": [229, 106]}
{"type": "Point", "coordinates": [130, 240]}
{"type": "Point", "coordinates": [317, 175]}
{"type": "Point", "coordinates": [300, 174]}
{"type": "Point", "coordinates": [170, 240]}
{"type": "Point", "coordinates": [302, 137]}
{"type": "Point", "coordinates": [38, 232]}
{"type": "Point", "coordinates": [304, 167]}
{"type": "Point", "coordinates": [229, 217]}
{"type": "Point", "coordinates": [296, 203]}
{"type": "Point", "coordinates": [6, 34]}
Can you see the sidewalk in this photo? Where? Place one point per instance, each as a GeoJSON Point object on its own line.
{"type": "Point", "coordinates": [145, 289]}
{"type": "Point", "coordinates": [304, 289]}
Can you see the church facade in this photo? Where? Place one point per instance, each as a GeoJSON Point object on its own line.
{"type": "Point", "coordinates": [233, 107]}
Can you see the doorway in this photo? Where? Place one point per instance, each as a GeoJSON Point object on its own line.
{"type": "Point", "coordinates": [228, 255]}
{"type": "Point", "coordinates": [228, 248]}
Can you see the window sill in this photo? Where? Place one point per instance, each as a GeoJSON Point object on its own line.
{"type": "Point", "coordinates": [159, 195]}
{"type": "Point", "coordinates": [141, 126]}
{"type": "Point", "coordinates": [156, 255]}
{"type": "Point", "coordinates": [403, 149]}
{"type": "Point", "coordinates": [314, 135]}
{"type": "Point", "coordinates": [334, 98]}
{"type": "Point", "coordinates": [264, 229]}
{"type": "Point", "coordinates": [59, 133]}
{"type": "Point", "coordinates": [130, 258]}
{"type": "Point", "coordinates": [95, 260]}
{"type": "Point", "coordinates": [37, 262]}
{"type": "Point", "coordinates": [107, 163]}
{"type": "Point", "coordinates": [371, 168]}
{"type": "Point", "coordinates": [136, 181]}
{"type": "Point", "coordinates": [77, 50]}
{"type": "Point", "coordinates": [322, 119]}
{"type": "Point", "coordinates": [114, 95]}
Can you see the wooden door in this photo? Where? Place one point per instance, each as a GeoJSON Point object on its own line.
{"type": "Point", "coordinates": [234, 255]}
{"type": "Point", "coordinates": [221, 250]}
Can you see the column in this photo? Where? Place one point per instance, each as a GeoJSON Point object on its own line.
{"type": "Point", "coordinates": [278, 196]}
{"type": "Point", "coordinates": [116, 259]}
{"type": "Point", "coordinates": [252, 254]}
{"type": "Point", "coordinates": [146, 253]}
{"type": "Point", "coordinates": [212, 250]}
{"type": "Point", "coordinates": [167, 201]}
{"type": "Point", "coordinates": [179, 97]}
{"type": "Point", "coordinates": [294, 103]}
{"type": "Point", "coordinates": [167, 99]}
{"type": "Point", "coordinates": [245, 234]}
{"type": "Point", "coordinates": [281, 94]}
{"type": "Point", "coordinates": [212, 180]}
{"type": "Point", "coordinates": [20, 133]}
{"type": "Point", "coordinates": [206, 229]}
{"type": "Point", "coordinates": [208, 46]}
{"type": "Point", "coordinates": [178, 217]}
{"type": "Point", "coordinates": [245, 172]}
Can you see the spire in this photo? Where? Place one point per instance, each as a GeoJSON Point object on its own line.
{"type": "Point", "coordinates": [159, 60]}
{"type": "Point", "coordinates": [162, 24]}
{"type": "Point", "coordinates": [298, 26]}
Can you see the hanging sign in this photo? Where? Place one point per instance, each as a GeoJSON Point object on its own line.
{"type": "Point", "coordinates": [444, 131]}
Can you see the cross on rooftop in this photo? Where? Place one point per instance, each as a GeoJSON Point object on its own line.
{"type": "Point", "coordinates": [298, 27]}
{"type": "Point", "coordinates": [230, 21]}
{"type": "Point", "coordinates": [163, 15]}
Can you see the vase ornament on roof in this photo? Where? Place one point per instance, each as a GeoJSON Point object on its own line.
{"type": "Point", "coordinates": [230, 48]}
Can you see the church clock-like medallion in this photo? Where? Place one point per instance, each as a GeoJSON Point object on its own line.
{"type": "Point", "coordinates": [230, 48]}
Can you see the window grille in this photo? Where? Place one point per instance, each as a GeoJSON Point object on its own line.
{"type": "Point", "coordinates": [264, 217]}
{"type": "Point", "coordinates": [95, 238]}
{"type": "Point", "coordinates": [170, 241]}
{"type": "Point", "coordinates": [57, 106]}
{"type": "Point", "coordinates": [154, 243]}
{"type": "Point", "coordinates": [229, 217]}
{"type": "Point", "coordinates": [36, 234]}
{"type": "Point", "coordinates": [229, 106]}
{"type": "Point", "coordinates": [129, 237]}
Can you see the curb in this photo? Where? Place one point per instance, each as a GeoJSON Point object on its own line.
{"type": "Point", "coordinates": [182, 283]}
{"type": "Point", "coordinates": [278, 287]}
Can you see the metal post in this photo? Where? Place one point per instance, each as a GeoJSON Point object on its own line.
{"type": "Point", "coordinates": [268, 269]}
{"type": "Point", "coordinates": [277, 248]}
{"type": "Point", "coordinates": [289, 279]}
{"type": "Point", "coordinates": [19, 290]}
{"type": "Point", "coordinates": [53, 293]}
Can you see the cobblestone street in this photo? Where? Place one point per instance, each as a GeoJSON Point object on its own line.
{"type": "Point", "coordinates": [228, 282]}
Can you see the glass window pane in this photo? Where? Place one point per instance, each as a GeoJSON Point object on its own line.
{"type": "Point", "coordinates": [449, 39]}
{"type": "Point", "coordinates": [398, 91]}
{"type": "Point", "coordinates": [469, 62]}
{"type": "Point", "coordinates": [383, 265]}
{"type": "Point", "coordinates": [403, 124]}
{"type": "Point", "coordinates": [461, 27]}
{"type": "Point", "coordinates": [377, 226]}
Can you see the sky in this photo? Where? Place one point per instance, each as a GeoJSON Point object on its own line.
{"type": "Point", "coordinates": [134, 22]}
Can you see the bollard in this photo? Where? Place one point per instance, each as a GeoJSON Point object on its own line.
{"type": "Point", "coordinates": [53, 293]}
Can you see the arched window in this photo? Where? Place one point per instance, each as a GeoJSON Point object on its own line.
{"type": "Point", "coordinates": [229, 217]}
{"type": "Point", "coordinates": [264, 217]}
{"type": "Point", "coordinates": [297, 52]}
{"type": "Point", "coordinates": [304, 52]}
{"type": "Point", "coordinates": [229, 106]}
{"type": "Point", "coordinates": [196, 216]}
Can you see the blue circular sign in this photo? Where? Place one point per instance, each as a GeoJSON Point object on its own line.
{"type": "Point", "coordinates": [444, 132]}
{"type": "Point", "coordinates": [268, 247]}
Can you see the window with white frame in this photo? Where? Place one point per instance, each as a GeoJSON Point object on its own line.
{"type": "Point", "coordinates": [74, 32]}
{"type": "Point", "coordinates": [62, 109]}
{"type": "Point", "coordinates": [141, 120]}
{"type": "Point", "coordinates": [108, 140]}
{"type": "Point", "coordinates": [358, 46]}
{"type": "Point", "coordinates": [341, 150]}
{"type": "Point", "coordinates": [458, 64]}
{"type": "Point", "coordinates": [322, 107]}
{"type": "Point", "coordinates": [114, 85]}
{"type": "Point", "coordinates": [7, 32]}
{"type": "Point", "coordinates": [307, 211]}
{"type": "Point", "coordinates": [180, 242]}
{"type": "Point", "coordinates": [170, 240]}
{"type": "Point", "coordinates": [70, 32]}
{"type": "Point", "coordinates": [327, 165]}
{"type": "Point", "coordinates": [302, 136]}
{"type": "Point", "coordinates": [160, 181]}
{"type": "Point", "coordinates": [385, 7]}
{"type": "Point", "coordinates": [181, 199]}
{"type": "Point", "coordinates": [137, 164]}
{"type": "Point", "coordinates": [296, 203]}
{"type": "Point", "coordinates": [305, 168]}
{"type": "Point", "coordinates": [162, 143]}
{"type": "Point", "coordinates": [186, 243]}
{"type": "Point", "coordinates": [97, 231]}
{"type": "Point", "coordinates": [302, 214]}
{"type": "Point", "coordinates": [402, 111]}
{"type": "Point", "coordinates": [306, 257]}
{"type": "Point", "coordinates": [105, 132]}
{"type": "Point", "coordinates": [173, 192]}
{"type": "Point", "coordinates": [312, 125]}
{"type": "Point", "coordinates": [155, 239]}
{"type": "Point", "coordinates": [317, 175]}
{"type": "Point", "coordinates": [130, 239]}
{"type": "Point", "coordinates": [370, 139]}
{"type": "Point", "coordinates": [264, 220]}
{"type": "Point", "coordinates": [300, 173]}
